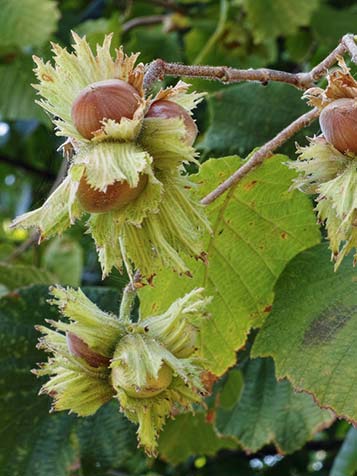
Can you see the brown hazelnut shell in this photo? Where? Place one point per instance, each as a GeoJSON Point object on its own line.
{"type": "Point", "coordinates": [338, 122]}
{"type": "Point", "coordinates": [168, 109]}
{"type": "Point", "coordinates": [108, 99]}
{"type": "Point", "coordinates": [79, 348]}
{"type": "Point", "coordinates": [117, 195]}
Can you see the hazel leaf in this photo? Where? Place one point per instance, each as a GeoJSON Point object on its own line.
{"type": "Point", "coordinates": [17, 97]}
{"type": "Point", "coordinates": [247, 115]}
{"type": "Point", "coordinates": [27, 23]}
{"type": "Point", "coordinates": [199, 438]}
{"type": "Point", "coordinates": [258, 227]}
{"type": "Point", "coordinates": [64, 257]}
{"type": "Point", "coordinates": [271, 412]}
{"type": "Point", "coordinates": [312, 330]}
{"type": "Point", "coordinates": [274, 18]}
{"type": "Point", "coordinates": [106, 439]}
{"type": "Point", "coordinates": [15, 276]}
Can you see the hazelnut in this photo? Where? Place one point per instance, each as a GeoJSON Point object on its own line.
{"type": "Point", "coordinates": [338, 122]}
{"type": "Point", "coordinates": [108, 99]}
{"type": "Point", "coordinates": [168, 109]}
{"type": "Point", "coordinates": [115, 197]}
{"type": "Point", "coordinates": [152, 387]}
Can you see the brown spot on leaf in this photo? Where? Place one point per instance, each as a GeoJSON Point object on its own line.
{"type": "Point", "coordinates": [154, 307]}
{"type": "Point", "coordinates": [255, 314]}
{"type": "Point", "coordinates": [284, 235]}
{"type": "Point", "coordinates": [268, 308]}
{"type": "Point", "coordinates": [326, 324]}
{"type": "Point", "coordinates": [250, 185]}
{"type": "Point", "coordinates": [210, 416]}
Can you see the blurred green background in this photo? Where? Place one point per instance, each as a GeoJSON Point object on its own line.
{"type": "Point", "coordinates": [282, 34]}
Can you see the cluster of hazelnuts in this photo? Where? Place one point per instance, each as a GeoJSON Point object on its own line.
{"type": "Point", "coordinates": [115, 99]}
{"type": "Point", "coordinates": [119, 375]}
{"type": "Point", "coordinates": [338, 122]}
{"type": "Point", "coordinates": [119, 378]}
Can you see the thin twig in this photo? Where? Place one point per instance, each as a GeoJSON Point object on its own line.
{"type": "Point", "coordinates": [349, 41]}
{"type": "Point", "coordinates": [141, 21]}
{"type": "Point", "coordinates": [347, 44]}
{"type": "Point", "coordinates": [321, 69]}
{"type": "Point", "coordinates": [263, 153]}
{"type": "Point", "coordinates": [159, 68]}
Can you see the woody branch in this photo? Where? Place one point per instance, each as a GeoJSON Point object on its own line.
{"type": "Point", "coordinates": [158, 69]}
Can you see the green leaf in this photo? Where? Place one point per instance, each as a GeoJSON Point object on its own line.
{"type": "Point", "coordinates": [247, 115]}
{"type": "Point", "coordinates": [64, 258]}
{"type": "Point", "coordinates": [27, 23]}
{"type": "Point", "coordinates": [152, 42]}
{"type": "Point", "coordinates": [345, 463]}
{"type": "Point", "coordinates": [259, 226]}
{"type": "Point", "coordinates": [51, 452]}
{"type": "Point", "coordinates": [15, 276]}
{"type": "Point", "coordinates": [298, 46]}
{"type": "Point", "coordinates": [311, 333]}
{"type": "Point", "coordinates": [222, 37]}
{"type": "Point", "coordinates": [231, 390]}
{"type": "Point", "coordinates": [330, 24]}
{"type": "Point", "coordinates": [189, 435]}
{"type": "Point", "coordinates": [271, 412]}
{"type": "Point", "coordinates": [273, 18]}
{"type": "Point", "coordinates": [106, 439]}
{"type": "Point", "coordinates": [95, 31]}
{"type": "Point", "coordinates": [33, 442]}
{"type": "Point", "coordinates": [17, 97]}
{"type": "Point", "coordinates": [5, 250]}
